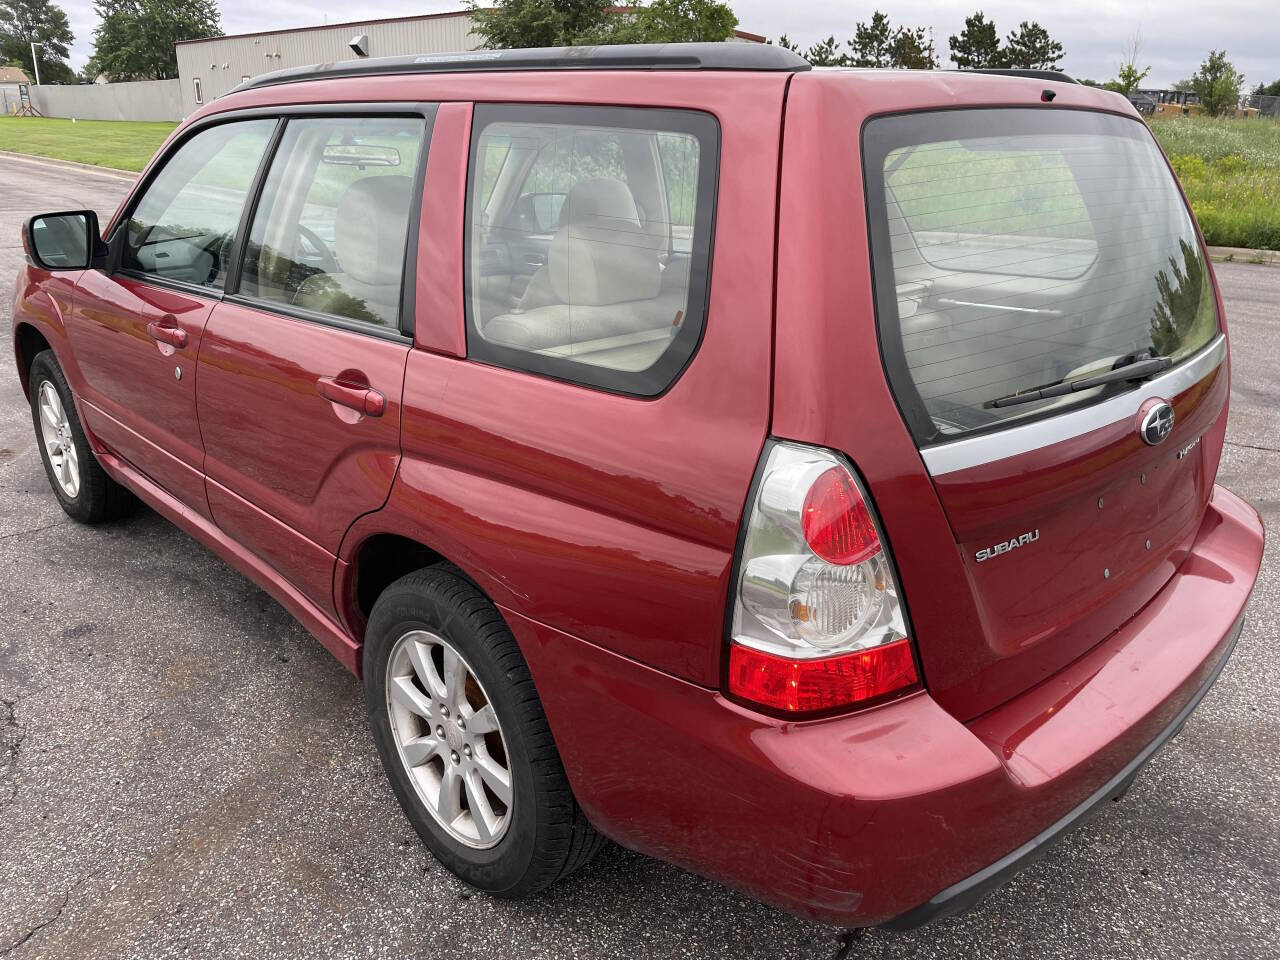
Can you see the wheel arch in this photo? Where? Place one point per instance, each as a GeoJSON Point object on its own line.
{"type": "Point", "coordinates": [372, 562]}
{"type": "Point", "coordinates": [28, 341]}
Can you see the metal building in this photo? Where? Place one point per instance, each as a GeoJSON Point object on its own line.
{"type": "Point", "coordinates": [214, 66]}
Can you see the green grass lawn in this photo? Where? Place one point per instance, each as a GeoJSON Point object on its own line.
{"type": "Point", "coordinates": [107, 143]}
{"type": "Point", "coordinates": [1231, 171]}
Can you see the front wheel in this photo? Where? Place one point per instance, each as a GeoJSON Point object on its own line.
{"type": "Point", "coordinates": [464, 740]}
{"type": "Point", "coordinates": [82, 487]}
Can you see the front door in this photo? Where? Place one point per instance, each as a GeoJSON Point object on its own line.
{"type": "Point", "coordinates": [301, 368]}
{"type": "Point", "coordinates": [136, 327]}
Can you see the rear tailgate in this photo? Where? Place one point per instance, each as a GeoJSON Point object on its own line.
{"type": "Point", "coordinates": [1016, 249]}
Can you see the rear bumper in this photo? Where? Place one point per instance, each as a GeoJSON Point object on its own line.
{"type": "Point", "coordinates": [899, 814]}
{"type": "Point", "coordinates": [960, 896]}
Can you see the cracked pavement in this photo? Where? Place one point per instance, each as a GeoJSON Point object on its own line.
{"type": "Point", "coordinates": [184, 772]}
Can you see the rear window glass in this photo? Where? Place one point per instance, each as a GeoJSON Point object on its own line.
{"type": "Point", "coordinates": [1014, 249]}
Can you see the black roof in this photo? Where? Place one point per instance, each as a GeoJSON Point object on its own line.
{"type": "Point", "coordinates": [1056, 75]}
{"type": "Point", "coordinates": [637, 56]}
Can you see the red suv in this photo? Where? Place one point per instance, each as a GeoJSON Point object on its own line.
{"type": "Point", "coordinates": [806, 477]}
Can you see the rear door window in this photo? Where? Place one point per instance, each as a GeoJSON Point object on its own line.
{"type": "Point", "coordinates": [1015, 249]}
{"type": "Point", "coordinates": [589, 241]}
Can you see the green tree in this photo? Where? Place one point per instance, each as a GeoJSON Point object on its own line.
{"type": "Point", "coordinates": [786, 43]}
{"type": "Point", "coordinates": [912, 49]}
{"type": "Point", "coordinates": [1127, 79]}
{"type": "Point", "coordinates": [513, 24]}
{"type": "Point", "coordinates": [135, 39]}
{"type": "Point", "coordinates": [978, 44]}
{"type": "Point", "coordinates": [1130, 76]}
{"type": "Point", "coordinates": [872, 43]}
{"type": "Point", "coordinates": [23, 22]}
{"type": "Point", "coordinates": [1031, 48]}
{"type": "Point", "coordinates": [1217, 84]}
{"type": "Point", "coordinates": [1267, 89]}
{"type": "Point", "coordinates": [673, 21]}
{"type": "Point", "coordinates": [826, 53]}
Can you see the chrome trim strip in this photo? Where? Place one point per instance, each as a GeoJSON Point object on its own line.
{"type": "Point", "coordinates": [972, 452]}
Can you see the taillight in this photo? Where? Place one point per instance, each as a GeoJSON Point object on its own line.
{"type": "Point", "coordinates": [818, 623]}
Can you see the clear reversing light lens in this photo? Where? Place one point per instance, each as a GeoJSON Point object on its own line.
{"type": "Point", "coordinates": [817, 618]}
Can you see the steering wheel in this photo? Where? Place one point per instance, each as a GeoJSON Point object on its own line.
{"type": "Point", "coordinates": [328, 262]}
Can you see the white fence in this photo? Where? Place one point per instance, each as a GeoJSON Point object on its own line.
{"type": "Point", "coordinates": [141, 100]}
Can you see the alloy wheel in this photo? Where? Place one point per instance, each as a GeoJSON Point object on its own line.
{"type": "Point", "coordinates": [449, 739]}
{"type": "Point", "coordinates": [59, 444]}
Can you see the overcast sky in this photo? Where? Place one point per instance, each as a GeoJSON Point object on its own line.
{"type": "Point", "coordinates": [1176, 34]}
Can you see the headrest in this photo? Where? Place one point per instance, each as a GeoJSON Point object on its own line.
{"type": "Point", "coordinates": [372, 219]}
{"type": "Point", "coordinates": [601, 254]}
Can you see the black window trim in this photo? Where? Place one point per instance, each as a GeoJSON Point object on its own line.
{"type": "Point", "coordinates": [404, 331]}
{"type": "Point", "coordinates": [655, 381]}
{"type": "Point", "coordinates": [902, 385]}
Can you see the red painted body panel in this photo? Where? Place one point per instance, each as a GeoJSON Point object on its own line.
{"type": "Point", "coordinates": [984, 633]}
{"type": "Point", "coordinates": [611, 517]}
{"type": "Point", "coordinates": [288, 469]}
{"type": "Point", "coordinates": [1051, 602]}
{"type": "Point", "coordinates": [604, 526]}
{"type": "Point", "coordinates": [129, 375]}
{"type": "Point", "coordinates": [856, 819]}
{"type": "Point", "coordinates": [438, 321]}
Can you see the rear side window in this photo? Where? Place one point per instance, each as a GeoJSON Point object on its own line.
{"type": "Point", "coordinates": [1014, 249]}
{"type": "Point", "coordinates": [330, 232]}
{"type": "Point", "coordinates": [183, 226]}
{"type": "Point", "coordinates": [589, 241]}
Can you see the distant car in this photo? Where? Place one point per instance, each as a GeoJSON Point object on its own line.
{"type": "Point", "coordinates": [1142, 103]}
{"type": "Point", "coordinates": [837, 520]}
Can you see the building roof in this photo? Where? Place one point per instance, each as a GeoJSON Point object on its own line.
{"type": "Point", "coordinates": [13, 75]}
{"type": "Point", "coordinates": [740, 34]}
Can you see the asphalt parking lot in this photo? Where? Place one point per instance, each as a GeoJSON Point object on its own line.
{"type": "Point", "coordinates": [184, 772]}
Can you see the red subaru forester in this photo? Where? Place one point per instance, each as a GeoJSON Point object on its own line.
{"type": "Point", "coordinates": [806, 477]}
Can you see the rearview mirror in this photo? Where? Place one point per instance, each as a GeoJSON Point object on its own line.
{"type": "Point", "coordinates": [361, 155]}
{"type": "Point", "coordinates": [63, 241]}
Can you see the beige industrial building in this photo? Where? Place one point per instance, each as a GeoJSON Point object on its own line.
{"type": "Point", "coordinates": [211, 67]}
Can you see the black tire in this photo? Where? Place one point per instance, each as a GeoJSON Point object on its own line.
{"type": "Point", "coordinates": [548, 835]}
{"type": "Point", "coordinates": [99, 498]}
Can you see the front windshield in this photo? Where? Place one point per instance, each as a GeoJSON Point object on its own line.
{"type": "Point", "coordinates": [1019, 248]}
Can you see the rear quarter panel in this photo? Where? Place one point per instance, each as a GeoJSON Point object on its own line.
{"type": "Point", "coordinates": [609, 517]}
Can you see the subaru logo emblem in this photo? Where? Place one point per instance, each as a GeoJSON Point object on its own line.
{"type": "Point", "coordinates": [1156, 423]}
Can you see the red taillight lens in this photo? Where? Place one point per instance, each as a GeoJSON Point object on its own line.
{"type": "Point", "coordinates": [836, 523]}
{"type": "Point", "coordinates": [826, 683]}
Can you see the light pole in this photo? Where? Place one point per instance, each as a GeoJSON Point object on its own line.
{"type": "Point", "coordinates": [35, 62]}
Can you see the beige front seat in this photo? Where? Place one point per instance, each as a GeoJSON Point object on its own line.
{"type": "Point", "coordinates": [602, 267]}
{"type": "Point", "coordinates": [369, 230]}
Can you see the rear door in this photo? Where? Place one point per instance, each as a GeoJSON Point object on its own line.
{"type": "Point", "coordinates": [1018, 255]}
{"type": "Point", "coordinates": [136, 326]}
{"type": "Point", "coordinates": [302, 365]}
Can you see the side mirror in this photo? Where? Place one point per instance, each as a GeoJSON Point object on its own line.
{"type": "Point", "coordinates": [64, 241]}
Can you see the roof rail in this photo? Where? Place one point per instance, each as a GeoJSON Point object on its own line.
{"type": "Point", "coordinates": [1056, 75]}
{"type": "Point", "coordinates": [631, 56]}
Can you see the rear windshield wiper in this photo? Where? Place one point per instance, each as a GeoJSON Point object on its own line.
{"type": "Point", "coordinates": [1130, 367]}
